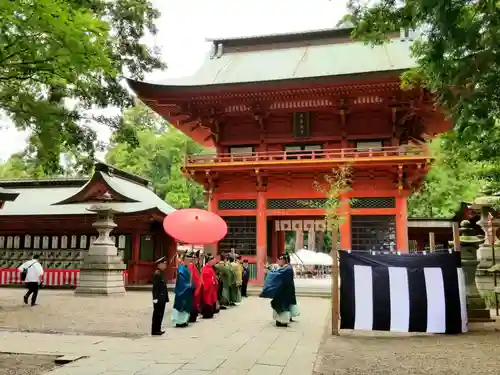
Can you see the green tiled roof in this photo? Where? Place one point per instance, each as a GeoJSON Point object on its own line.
{"type": "Point", "coordinates": [297, 60]}
{"type": "Point", "coordinates": [44, 200]}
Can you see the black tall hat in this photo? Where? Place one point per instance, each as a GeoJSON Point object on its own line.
{"type": "Point", "coordinates": [161, 260]}
{"type": "Point", "coordinates": [286, 257]}
{"type": "Point", "coordinates": [190, 254]}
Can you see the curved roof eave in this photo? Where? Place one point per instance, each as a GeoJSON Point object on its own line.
{"type": "Point", "coordinates": [179, 91]}
{"type": "Point", "coordinates": [7, 195]}
{"type": "Point", "coordinates": [98, 176]}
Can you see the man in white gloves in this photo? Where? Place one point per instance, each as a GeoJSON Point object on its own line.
{"type": "Point", "coordinates": [160, 296]}
{"type": "Point", "coordinates": [31, 273]}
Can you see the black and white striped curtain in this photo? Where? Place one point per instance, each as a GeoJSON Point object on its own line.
{"type": "Point", "coordinates": [402, 293]}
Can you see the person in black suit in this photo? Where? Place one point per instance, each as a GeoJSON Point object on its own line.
{"type": "Point", "coordinates": [245, 278]}
{"type": "Point", "coordinates": [160, 296]}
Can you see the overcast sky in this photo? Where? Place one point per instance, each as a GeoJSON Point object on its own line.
{"type": "Point", "coordinates": [184, 25]}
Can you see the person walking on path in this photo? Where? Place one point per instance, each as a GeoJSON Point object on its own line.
{"type": "Point", "coordinates": [160, 297]}
{"type": "Point", "coordinates": [244, 278]}
{"type": "Point", "coordinates": [224, 279]}
{"type": "Point", "coordinates": [280, 288]}
{"type": "Point", "coordinates": [209, 290]}
{"type": "Point", "coordinates": [31, 273]}
{"type": "Point", "coordinates": [184, 294]}
{"type": "Point", "coordinates": [192, 263]}
{"type": "Point", "coordinates": [238, 270]}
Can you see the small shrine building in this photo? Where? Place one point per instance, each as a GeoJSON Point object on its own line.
{"type": "Point", "coordinates": [50, 217]}
{"type": "Point", "coordinates": [422, 230]}
{"type": "Point", "coordinates": [281, 111]}
{"type": "Point", "coordinates": [6, 196]}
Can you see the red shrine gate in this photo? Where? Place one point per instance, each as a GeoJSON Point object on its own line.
{"type": "Point", "coordinates": [281, 111]}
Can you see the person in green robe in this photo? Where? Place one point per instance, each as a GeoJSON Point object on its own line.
{"type": "Point", "coordinates": [224, 277]}
{"type": "Point", "coordinates": [234, 289]}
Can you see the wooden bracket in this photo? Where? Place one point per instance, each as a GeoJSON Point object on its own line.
{"type": "Point", "coordinates": [394, 116]}
{"type": "Point", "coordinates": [210, 186]}
{"type": "Point", "coordinates": [195, 126]}
{"type": "Point", "coordinates": [400, 179]}
{"type": "Point", "coordinates": [259, 116]}
{"type": "Point", "coordinates": [261, 180]}
{"type": "Point", "coordinates": [342, 117]}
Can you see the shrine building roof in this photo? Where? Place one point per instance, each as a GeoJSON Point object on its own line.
{"type": "Point", "coordinates": [7, 195]}
{"type": "Point", "coordinates": [284, 57]}
{"type": "Point", "coordinates": [122, 191]}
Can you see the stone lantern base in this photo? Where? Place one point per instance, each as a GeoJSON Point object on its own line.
{"type": "Point", "coordinates": [101, 275]}
{"type": "Point", "coordinates": [101, 271]}
{"type": "Point", "coordinates": [484, 279]}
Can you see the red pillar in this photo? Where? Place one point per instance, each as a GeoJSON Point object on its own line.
{"type": "Point", "coordinates": [275, 243]}
{"type": "Point", "coordinates": [136, 248]}
{"type": "Point", "coordinates": [261, 237]}
{"type": "Point", "coordinates": [213, 203]}
{"type": "Point", "coordinates": [171, 254]}
{"type": "Point", "coordinates": [402, 222]}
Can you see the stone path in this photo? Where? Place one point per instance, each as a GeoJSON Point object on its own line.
{"type": "Point", "coordinates": [242, 340]}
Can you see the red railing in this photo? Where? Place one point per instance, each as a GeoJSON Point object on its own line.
{"type": "Point", "coordinates": [345, 154]}
{"type": "Point", "coordinates": [51, 277]}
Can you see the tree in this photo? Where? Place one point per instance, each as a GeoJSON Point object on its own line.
{"type": "Point", "coordinates": [15, 167]}
{"type": "Point", "coordinates": [457, 56]}
{"type": "Point", "coordinates": [337, 185]}
{"type": "Point", "coordinates": [450, 181]}
{"type": "Point", "coordinates": [158, 155]}
{"type": "Point", "coordinates": [58, 59]}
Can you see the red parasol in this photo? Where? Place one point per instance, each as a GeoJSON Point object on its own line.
{"type": "Point", "coordinates": [195, 226]}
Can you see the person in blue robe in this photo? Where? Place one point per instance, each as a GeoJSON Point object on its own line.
{"type": "Point", "coordinates": [280, 288]}
{"type": "Point", "coordinates": [183, 302]}
{"type": "Point", "coordinates": [294, 307]}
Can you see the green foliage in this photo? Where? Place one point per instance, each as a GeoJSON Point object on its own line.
{"type": "Point", "coordinates": [457, 59]}
{"type": "Point", "coordinates": [157, 152]}
{"type": "Point", "coordinates": [153, 150]}
{"type": "Point", "coordinates": [14, 168]}
{"type": "Point", "coordinates": [450, 181]}
{"type": "Point", "coordinates": [60, 58]}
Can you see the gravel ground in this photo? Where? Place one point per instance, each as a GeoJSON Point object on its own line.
{"type": "Point", "coordinates": [22, 364]}
{"type": "Point", "coordinates": [59, 311]}
{"type": "Point", "coordinates": [363, 353]}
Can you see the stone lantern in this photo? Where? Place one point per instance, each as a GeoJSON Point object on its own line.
{"type": "Point", "coordinates": [469, 243]}
{"type": "Point", "coordinates": [101, 271]}
{"type": "Point", "coordinates": [485, 204]}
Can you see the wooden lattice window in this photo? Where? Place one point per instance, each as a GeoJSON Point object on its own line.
{"type": "Point", "coordinates": [241, 235]}
{"type": "Point", "coordinates": [237, 204]}
{"type": "Point", "coordinates": [294, 204]}
{"type": "Point", "coordinates": [373, 202]}
{"type": "Point", "coordinates": [373, 232]}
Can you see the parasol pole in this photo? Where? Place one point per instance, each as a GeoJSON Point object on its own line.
{"type": "Point", "coordinates": [335, 283]}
